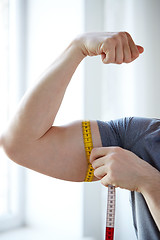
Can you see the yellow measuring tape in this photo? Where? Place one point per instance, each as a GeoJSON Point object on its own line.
{"type": "Point", "coordinates": [87, 138]}
{"type": "Point", "coordinates": [88, 144]}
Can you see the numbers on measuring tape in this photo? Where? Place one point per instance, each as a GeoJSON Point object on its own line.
{"type": "Point", "coordinates": [87, 138]}
{"type": "Point", "coordinates": [110, 218]}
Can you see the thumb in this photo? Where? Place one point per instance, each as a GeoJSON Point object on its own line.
{"type": "Point", "coordinates": [140, 49]}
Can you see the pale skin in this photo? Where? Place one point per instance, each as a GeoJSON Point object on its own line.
{"type": "Point", "coordinates": [32, 140]}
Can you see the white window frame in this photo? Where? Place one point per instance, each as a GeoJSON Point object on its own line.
{"type": "Point", "coordinates": [16, 188]}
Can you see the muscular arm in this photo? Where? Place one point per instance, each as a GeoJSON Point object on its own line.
{"type": "Point", "coordinates": [31, 140]}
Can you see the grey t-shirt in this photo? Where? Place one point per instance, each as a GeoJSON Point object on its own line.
{"type": "Point", "coordinates": [142, 137]}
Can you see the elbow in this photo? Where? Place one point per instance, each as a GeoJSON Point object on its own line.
{"type": "Point", "coordinates": [11, 148]}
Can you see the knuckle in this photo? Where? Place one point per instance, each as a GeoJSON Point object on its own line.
{"type": "Point", "coordinates": [126, 34]}
{"type": "Point", "coordinates": [118, 39]}
{"type": "Point", "coordinates": [122, 35]}
{"type": "Point", "coordinates": [109, 41]}
{"type": "Point", "coordinates": [111, 157]}
{"type": "Point", "coordinates": [116, 149]}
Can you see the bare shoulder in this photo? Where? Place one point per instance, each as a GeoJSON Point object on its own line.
{"type": "Point", "coordinates": [58, 153]}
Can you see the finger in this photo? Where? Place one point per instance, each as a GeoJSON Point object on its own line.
{"type": "Point", "coordinates": [99, 162]}
{"type": "Point", "coordinates": [133, 47]}
{"type": "Point", "coordinates": [110, 56]}
{"type": "Point", "coordinates": [100, 172]}
{"type": "Point", "coordinates": [127, 52]}
{"type": "Point", "coordinates": [100, 152]}
{"type": "Point", "coordinates": [140, 49]}
{"type": "Point", "coordinates": [119, 54]}
{"type": "Point", "coordinates": [108, 51]}
{"type": "Point", "coordinates": [97, 153]}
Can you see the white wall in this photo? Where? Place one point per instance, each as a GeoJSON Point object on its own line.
{"type": "Point", "coordinates": [135, 89]}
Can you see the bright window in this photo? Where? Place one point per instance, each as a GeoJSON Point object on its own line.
{"type": "Point", "coordinates": [4, 49]}
{"type": "Point", "coordinates": [11, 176]}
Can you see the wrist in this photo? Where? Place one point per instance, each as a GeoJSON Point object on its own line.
{"type": "Point", "coordinates": [72, 55]}
{"type": "Point", "coordinates": [78, 43]}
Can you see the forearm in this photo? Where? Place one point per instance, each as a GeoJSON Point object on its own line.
{"type": "Point", "coordinates": [39, 107]}
{"type": "Point", "coordinates": [151, 193]}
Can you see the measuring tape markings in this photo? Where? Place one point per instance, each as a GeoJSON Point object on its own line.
{"type": "Point", "coordinates": [88, 144]}
{"type": "Point", "coordinates": [87, 138]}
{"type": "Point", "coordinates": [110, 213]}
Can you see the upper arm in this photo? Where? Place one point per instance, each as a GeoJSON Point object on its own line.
{"type": "Point", "coordinates": [59, 153]}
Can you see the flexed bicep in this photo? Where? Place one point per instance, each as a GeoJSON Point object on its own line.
{"type": "Point", "coordinates": [60, 153]}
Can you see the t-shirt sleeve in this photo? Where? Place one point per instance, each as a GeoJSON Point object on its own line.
{"type": "Point", "coordinates": [139, 135]}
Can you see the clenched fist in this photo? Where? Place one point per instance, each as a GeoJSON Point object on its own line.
{"type": "Point", "coordinates": [113, 47]}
